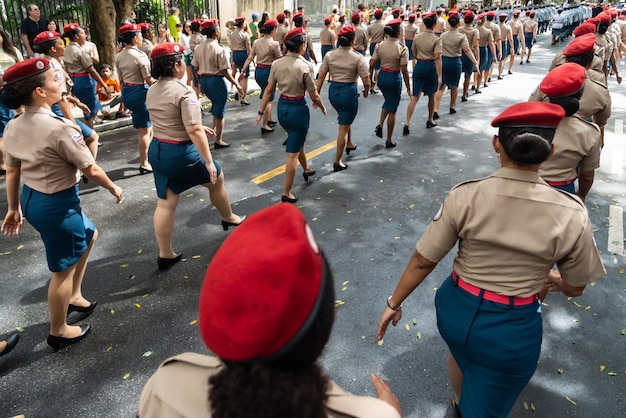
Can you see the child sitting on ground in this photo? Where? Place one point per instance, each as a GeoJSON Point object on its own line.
{"type": "Point", "coordinates": [114, 88]}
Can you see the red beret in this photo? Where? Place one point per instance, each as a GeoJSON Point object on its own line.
{"type": "Point", "coordinates": [603, 18]}
{"type": "Point", "coordinates": [503, 15]}
{"type": "Point", "coordinates": [397, 10]}
{"type": "Point", "coordinates": [539, 114]}
{"type": "Point", "coordinates": [428, 15]}
{"type": "Point", "coordinates": [342, 16]}
{"type": "Point", "coordinates": [580, 45]}
{"type": "Point", "coordinates": [481, 16]}
{"type": "Point", "coordinates": [394, 22]}
{"type": "Point", "coordinates": [564, 80]}
{"type": "Point", "coordinates": [347, 30]}
{"type": "Point", "coordinates": [272, 23]}
{"type": "Point", "coordinates": [280, 16]}
{"type": "Point", "coordinates": [613, 13]}
{"type": "Point", "coordinates": [356, 15]}
{"type": "Point", "coordinates": [453, 14]}
{"type": "Point", "coordinates": [131, 27]}
{"type": "Point", "coordinates": [240, 19]}
{"type": "Point", "coordinates": [298, 15]}
{"type": "Point", "coordinates": [532, 14]}
{"type": "Point", "coordinates": [167, 48]}
{"type": "Point", "coordinates": [490, 13]}
{"type": "Point", "coordinates": [148, 26]}
{"type": "Point", "coordinates": [378, 13]}
{"type": "Point", "coordinates": [584, 29]}
{"type": "Point", "coordinates": [517, 12]}
{"type": "Point", "coordinates": [208, 23]}
{"type": "Point", "coordinates": [622, 17]}
{"type": "Point", "coordinates": [24, 69]}
{"type": "Point", "coordinates": [263, 286]}
{"type": "Point", "coordinates": [468, 14]}
{"type": "Point", "coordinates": [70, 27]}
{"type": "Point", "coordinates": [46, 36]}
{"type": "Point", "coordinates": [294, 32]}
{"type": "Point", "coordinates": [327, 20]}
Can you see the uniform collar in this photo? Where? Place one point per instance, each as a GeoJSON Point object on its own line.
{"type": "Point", "coordinates": [39, 109]}
{"type": "Point", "coordinates": [517, 174]}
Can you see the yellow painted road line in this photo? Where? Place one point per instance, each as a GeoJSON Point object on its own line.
{"type": "Point", "coordinates": [280, 170]}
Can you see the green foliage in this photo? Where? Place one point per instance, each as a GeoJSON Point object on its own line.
{"type": "Point", "coordinates": [70, 12]}
{"type": "Point", "coordinates": [150, 11]}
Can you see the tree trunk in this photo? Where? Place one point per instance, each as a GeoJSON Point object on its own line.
{"type": "Point", "coordinates": [105, 18]}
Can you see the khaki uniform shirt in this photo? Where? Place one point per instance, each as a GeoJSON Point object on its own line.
{"type": "Point", "coordinates": [49, 160]}
{"type": "Point", "coordinates": [504, 247]}
{"type": "Point", "coordinates": [505, 31]}
{"type": "Point", "coordinates": [266, 50]}
{"type": "Point", "coordinates": [576, 144]}
{"type": "Point", "coordinates": [376, 31]}
{"type": "Point", "coordinates": [210, 58]}
{"type": "Point", "coordinates": [76, 59]}
{"type": "Point", "coordinates": [173, 105]}
{"type": "Point", "coordinates": [281, 31]}
{"type": "Point", "coordinates": [426, 45]}
{"type": "Point", "coordinates": [196, 39]}
{"type": "Point", "coordinates": [410, 31]}
{"type": "Point", "coordinates": [485, 36]}
{"type": "Point", "coordinates": [471, 33]}
{"type": "Point", "coordinates": [240, 40]}
{"type": "Point", "coordinates": [328, 37]}
{"type": "Point", "coordinates": [360, 38]}
{"type": "Point", "coordinates": [133, 66]}
{"type": "Point", "coordinates": [345, 65]}
{"type": "Point", "coordinates": [391, 54]}
{"type": "Point", "coordinates": [440, 25]}
{"type": "Point", "coordinates": [180, 389]}
{"type": "Point", "coordinates": [61, 75]}
{"type": "Point", "coordinates": [453, 42]}
{"type": "Point", "coordinates": [594, 102]}
{"type": "Point", "coordinates": [293, 75]}
{"type": "Point", "coordinates": [516, 27]}
{"type": "Point", "coordinates": [529, 25]}
{"type": "Point", "coordinates": [146, 46]}
{"type": "Point", "coordinates": [595, 72]}
{"type": "Point", "coordinates": [495, 29]}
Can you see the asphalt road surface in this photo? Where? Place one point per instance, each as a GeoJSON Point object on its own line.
{"type": "Point", "coordinates": [367, 219]}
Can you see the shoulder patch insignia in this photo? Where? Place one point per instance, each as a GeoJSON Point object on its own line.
{"type": "Point", "coordinates": [78, 138]}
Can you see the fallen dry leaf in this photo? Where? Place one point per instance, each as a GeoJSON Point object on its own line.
{"type": "Point", "coordinates": [194, 322]}
{"type": "Point", "coordinates": [124, 265]}
{"type": "Point", "coordinates": [137, 305]}
{"type": "Point", "coordinates": [570, 400]}
{"type": "Point", "coordinates": [126, 376]}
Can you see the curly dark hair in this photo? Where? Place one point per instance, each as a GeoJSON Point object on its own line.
{"type": "Point", "coordinates": [163, 66]}
{"type": "Point", "coordinates": [291, 386]}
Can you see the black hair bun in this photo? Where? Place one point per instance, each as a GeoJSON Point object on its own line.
{"type": "Point", "coordinates": [11, 98]}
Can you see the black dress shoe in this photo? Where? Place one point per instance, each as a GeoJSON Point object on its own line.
{"type": "Point", "coordinates": [350, 149]}
{"type": "Point", "coordinates": [307, 174]}
{"type": "Point", "coordinates": [227, 224]}
{"type": "Point", "coordinates": [272, 123]}
{"type": "Point", "coordinates": [435, 115]}
{"type": "Point", "coordinates": [339, 167]}
{"type": "Point", "coordinates": [220, 146]}
{"type": "Point", "coordinates": [266, 131]}
{"type": "Point", "coordinates": [143, 171]}
{"type": "Point", "coordinates": [510, 72]}
{"type": "Point", "coordinates": [379, 131]}
{"type": "Point", "coordinates": [473, 87]}
{"type": "Point", "coordinates": [85, 310]}
{"type": "Point", "coordinates": [389, 144]}
{"type": "Point", "coordinates": [166, 263]}
{"type": "Point", "coordinates": [2, 171]}
{"type": "Point", "coordinates": [405, 130]}
{"type": "Point", "coordinates": [452, 111]}
{"type": "Point", "coordinates": [245, 103]}
{"type": "Point", "coordinates": [61, 342]}
{"type": "Point", "coordinates": [463, 98]}
{"type": "Point", "coordinates": [288, 199]}
{"type": "Point", "coordinates": [11, 343]}
{"type": "Point", "coordinates": [500, 77]}
{"type": "Point", "coordinates": [430, 124]}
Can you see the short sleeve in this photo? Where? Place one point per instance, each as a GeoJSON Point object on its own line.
{"type": "Point", "coordinates": [309, 78]}
{"type": "Point", "coordinates": [438, 48]}
{"type": "Point", "coordinates": [85, 59]}
{"type": "Point", "coordinates": [222, 61]}
{"type": "Point", "coordinates": [324, 66]}
{"type": "Point", "coordinates": [72, 148]}
{"type": "Point", "coordinates": [404, 55]}
{"type": "Point", "coordinates": [582, 265]}
{"type": "Point", "coordinates": [441, 234]}
{"type": "Point", "coordinates": [190, 109]}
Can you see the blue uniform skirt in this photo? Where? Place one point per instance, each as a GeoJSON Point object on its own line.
{"type": "Point", "coordinates": [214, 87]}
{"type": "Point", "coordinates": [177, 166]}
{"type": "Point", "coordinates": [65, 230]}
{"type": "Point", "coordinates": [262, 75]}
{"type": "Point", "coordinates": [528, 37]}
{"type": "Point", "coordinates": [294, 117]}
{"type": "Point", "coordinates": [451, 71]}
{"type": "Point", "coordinates": [6, 115]}
{"type": "Point", "coordinates": [344, 98]}
{"type": "Point", "coordinates": [134, 98]}
{"type": "Point", "coordinates": [506, 50]}
{"type": "Point", "coordinates": [516, 44]}
{"type": "Point", "coordinates": [424, 78]}
{"type": "Point", "coordinates": [84, 129]}
{"type": "Point", "coordinates": [326, 49]}
{"type": "Point", "coordinates": [490, 56]}
{"type": "Point", "coordinates": [85, 90]}
{"type": "Point", "coordinates": [372, 48]}
{"type": "Point", "coordinates": [409, 44]}
{"type": "Point", "coordinates": [467, 66]}
{"type": "Point", "coordinates": [496, 346]}
{"type": "Point", "coordinates": [484, 63]}
{"type": "Point", "coordinates": [390, 84]}
{"type": "Point", "coordinates": [239, 58]}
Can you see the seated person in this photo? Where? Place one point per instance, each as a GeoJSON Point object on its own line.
{"type": "Point", "coordinates": [116, 98]}
{"type": "Point", "coordinates": [266, 311]}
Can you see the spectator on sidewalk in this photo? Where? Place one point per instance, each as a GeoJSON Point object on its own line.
{"type": "Point", "coordinates": [32, 26]}
{"type": "Point", "coordinates": [113, 87]}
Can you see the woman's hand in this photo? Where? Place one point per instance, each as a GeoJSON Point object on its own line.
{"type": "Point", "coordinates": [210, 166]}
{"type": "Point", "coordinates": [117, 192]}
{"type": "Point", "coordinates": [389, 315]}
{"type": "Point", "coordinates": [258, 119]}
{"type": "Point", "coordinates": [209, 132]}
{"type": "Point", "coordinates": [12, 222]}
{"type": "Point", "coordinates": [82, 106]}
{"type": "Point", "coordinates": [384, 393]}
{"type": "Point", "coordinates": [323, 109]}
